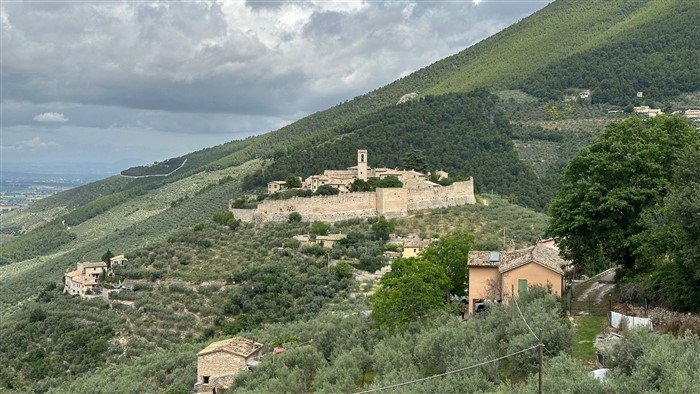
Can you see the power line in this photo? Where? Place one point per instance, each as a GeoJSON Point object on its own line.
{"type": "Point", "coordinates": [531, 331]}
{"type": "Point", "coordinates": [446, 373]}
{"type": "Point", "coordinates": [525, 321]}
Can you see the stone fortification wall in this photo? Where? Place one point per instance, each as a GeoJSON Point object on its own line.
{"type": "Point", "coordinates": [325, 208]}
{"type": "Point", "coordinates": [458, 193]}
{"type": "Point", "coordinates": [246, 215]}
{"type": "Point", "coordinates": [390, 202]}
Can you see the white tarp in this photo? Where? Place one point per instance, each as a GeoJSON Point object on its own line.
{"type": "Point", "coordinates": [630, 322]}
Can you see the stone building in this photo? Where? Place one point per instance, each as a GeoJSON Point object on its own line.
{"type": "Point", "coordinates": [220, 362]}
{"type": "Point", "coordinates": [498, 276]}
{"type": "Point", "coordinates": [85, 278]}
{"type": "Point", "coordinates": [116, 261]}
{"type": "Point", "coordinates": [327, 241]}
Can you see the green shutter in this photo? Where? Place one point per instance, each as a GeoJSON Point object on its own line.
{"type": "Point", "coordinates": [522, 286]}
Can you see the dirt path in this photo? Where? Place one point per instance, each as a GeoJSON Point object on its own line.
{"type": "Point", "coordinates": [598, 289]}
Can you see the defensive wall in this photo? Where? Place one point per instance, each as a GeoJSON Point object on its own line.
{"type": "Point", "coordinates": [389, 202]}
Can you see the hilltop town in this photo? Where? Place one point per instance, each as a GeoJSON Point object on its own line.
{"type": "Point", "coordinates": [416, 192]}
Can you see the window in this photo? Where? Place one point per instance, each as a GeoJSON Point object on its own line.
{"type": "Point", "coordinates": [522, 286]}
{"type": "Point", "coordinates": [205, 379]}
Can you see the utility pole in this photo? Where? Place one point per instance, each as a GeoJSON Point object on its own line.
{"type": "Point", "coordinates": [540, 377]}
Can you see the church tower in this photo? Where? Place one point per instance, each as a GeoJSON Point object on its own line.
{"type": "Point", "coordinates": [362, 164]}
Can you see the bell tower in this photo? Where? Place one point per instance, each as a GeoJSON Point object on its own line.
{"type": "Point", "coordinates": [362, 164]}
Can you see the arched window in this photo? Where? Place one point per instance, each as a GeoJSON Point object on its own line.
{"type": "Point", "coordinates": [362, 158]}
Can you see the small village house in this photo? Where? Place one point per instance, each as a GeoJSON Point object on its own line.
{"type": "Point", "coordinates": [414, 247]}
{"type": "Point", "coordinates": [498, 276]}
{"type": "Point", "coordinates": [85, 278]}
{"type": "Point", "coordinates": [327, 241]}
{"type": "Point", "coordinates": [276, 186]}
{"type": "Point", "coordinates": [220, 362]}
{"type": "Point", "coordinates": [411, 245]}
{"type": "Point", "coordinates": [116, 261]}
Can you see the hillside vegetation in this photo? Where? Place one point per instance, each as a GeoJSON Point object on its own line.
{"type": "Point", "coordinates": [493, 111]}
{"type": "Point", "coordinates": [655, 52]}
{"type": "Point", "coordinates": [204, 280]}
{"type": "Point", "coordinates": [463, 134]}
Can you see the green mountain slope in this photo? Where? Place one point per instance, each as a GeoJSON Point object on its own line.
{"type": "Point", "coordinates": [655, 51]}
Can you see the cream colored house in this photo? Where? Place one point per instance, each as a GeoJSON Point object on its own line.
{"type": "Point", "coordinates": [692, 113]}
{"type": "Point", "coordinates": [498, 276]}
{"type": "Point", "coordinates": [84, 279]}
{"type": "Point", "coordinates": [276, 186]}
{"type": "Point", "coordinates": [414, 247]}
{"type": "Point", "coordinates": [117, 261]}
{"type": "Point", "coordinates": [220, 362]}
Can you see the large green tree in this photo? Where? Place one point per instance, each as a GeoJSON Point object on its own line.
{"type": "Point", "coordinates": [670, 244]}
{"type": "Point", "coordinates": [292, 182]}
{"type": "Point", "coordinates": [450, 252]}
{"type": "Point", "coordinates": [411, 291]}
{"type": "Point", "coordinates": [606, 187]}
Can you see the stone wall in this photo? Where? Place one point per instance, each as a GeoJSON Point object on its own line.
{"type": "Point", "coordinates": [458, 193]}
{"type": "Point", "coordinates": [324, 208]}
{"type": "Point", "coordinates": [218, 364]}
{"type": "Point", "coordinates": [392, 202]}
{"type": "Point", "coordinates": [389, 202]}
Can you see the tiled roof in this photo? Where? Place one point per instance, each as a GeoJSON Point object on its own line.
{"type": "Point", "coordinates": [509, 260]}
{"type": "Point", "coordinates": [481, 259]}
{"type": "Point", "coordinates": [88, 264]}
{"type": "Point", "coordinates": [544, 256]}
{"type": "Point", "coordinates": [331, 237]}
{"type": "Point", "coordinates": [417, 243]}
{"type": "Point", "coordinates": [238, 345]}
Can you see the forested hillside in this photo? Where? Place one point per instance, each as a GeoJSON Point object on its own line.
{"type": "Point", "coordinates": [657, 55]}
{"type": "Point", "coordinates": [463, 134]}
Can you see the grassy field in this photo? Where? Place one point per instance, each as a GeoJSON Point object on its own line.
{"type": "Point", "coordinates": [585, 330]}
{"type": "Point", "coordinates": [487, 220]}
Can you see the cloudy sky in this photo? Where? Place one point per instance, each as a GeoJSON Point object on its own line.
{"type": "Point", "coordinates": [119, 83]}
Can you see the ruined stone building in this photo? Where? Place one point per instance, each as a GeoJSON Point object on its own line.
{"type": "Point", "coordinates": [219, 363]}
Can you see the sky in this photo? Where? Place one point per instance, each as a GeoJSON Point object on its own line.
{"type": "Point", "coordinates": [105, 85]}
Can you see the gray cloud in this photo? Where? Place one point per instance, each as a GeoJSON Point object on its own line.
{"type": "Point", "coordinates": [219, 68]}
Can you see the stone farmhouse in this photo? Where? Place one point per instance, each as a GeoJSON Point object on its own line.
{"type": "Point", "coordinates": [219, 363]}
{"type": "Point", "coordinates": [498, 276]}
{"type": "Point", "coordinates": [327, 241]}
{"type": "Point", "coordinates": [417, 193]}
{"type": "Point", "coordinates": [85, 278]}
